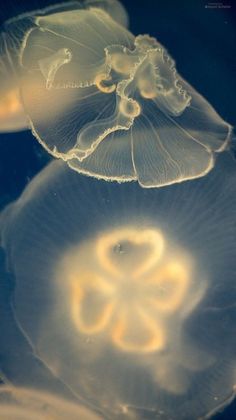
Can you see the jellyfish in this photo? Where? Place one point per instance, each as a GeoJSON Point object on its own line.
{"type": "Point", "coordinates": [12, 113]}
{"type": "Point", "coordinates": [127, 294]}
{"type": "Point", "coordinates": [27, 404]}
{"type": "Point", "coordinates": [110, 104]}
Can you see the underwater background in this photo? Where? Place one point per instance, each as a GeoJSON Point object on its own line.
{"type": "Point", "coordinates": [199, 35]}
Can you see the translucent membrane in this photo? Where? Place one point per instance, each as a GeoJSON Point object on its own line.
{"type": "Point", "coordinates": [110, 104]}
{"type": "Point", "coordinates": [127, 295]}
{"type": "Point", "coordinates": [28, 404]}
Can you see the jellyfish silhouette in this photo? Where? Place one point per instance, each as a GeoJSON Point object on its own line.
{"type": "Point", "coordinates": [127, 294]}
{"type": "Point", "coordinates": [111, 104]}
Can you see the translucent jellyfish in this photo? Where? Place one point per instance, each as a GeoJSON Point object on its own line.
{"type": "Point", "coordinates": [126, 294]}
{"type": "Point", "coordinates": [27, 404]}
{"type": "Point", "coordinates": [12, 112]}
{"type": "Point", "coordinates": [110, 104]}
{"type": "Point", "coordinates": [113, 105]}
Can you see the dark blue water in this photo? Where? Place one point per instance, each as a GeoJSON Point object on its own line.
{"type": "Point", "coordinates": [200, 38]}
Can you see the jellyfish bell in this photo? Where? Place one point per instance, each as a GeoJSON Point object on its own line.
{"type": "Point", "coordinates": [127, 294]}
{"type": "Point", "coordinates": [110, 104]}
{"type": "Point", "coordinates": [18, 403]}
{"type": "Point", "coordinates": [12, 113]}
{"type": "Point", "coordinates": [125, 113]}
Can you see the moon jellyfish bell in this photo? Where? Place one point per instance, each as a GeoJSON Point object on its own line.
{"type": "Point", "coordinates": [12, 75]}
{"type": "Point", "coordinates": [128, 294]}
{"type": "Point", "coordinates": [118, 108]}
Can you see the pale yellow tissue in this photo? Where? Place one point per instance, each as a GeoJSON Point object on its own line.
{"type": "Point", "coordinates": [87, 284]}
{"type": "Point", "coordinates": [147, 88]}
{"type": "Point", "coordinates": [148, 237]}
{"type": "Point", "coordinates": [50, 65]}
{"type": "Point", "coordinates": [31, 404]}
{"type": "Point", "coordinates": [134, 284]}
{"type": "Point", "coordinates": [129, 108]}
{"type": "Point", "coordinates": [143, 335]}
{"type": "Point", "coordinates": [10, 103]}
{"type": "Point", "coordinates": [171, 282]}
{"type": "Point", "coordinates": [122, 63]}
{"type": "Point", "coordinates": [102, 81]}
